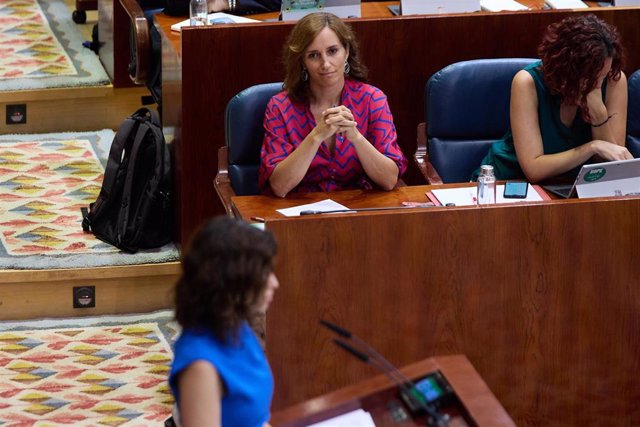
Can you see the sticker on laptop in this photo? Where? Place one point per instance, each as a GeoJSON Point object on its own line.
{"type": "Point", "coordinates": [595, 174]}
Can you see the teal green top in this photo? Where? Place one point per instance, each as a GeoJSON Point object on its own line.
{"type": "Point", "coordinates": [556, 137]}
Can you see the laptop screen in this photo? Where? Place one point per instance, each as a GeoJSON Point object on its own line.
{"type": "Point", "coordinates": [619, 178]}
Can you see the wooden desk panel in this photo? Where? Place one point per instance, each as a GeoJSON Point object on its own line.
{"type": "Point", "coordinates": [114, 42]}
{"type": "Point", "coordinates": [542, 298]}
{"type": "Point", "coordinates": [401, 53]}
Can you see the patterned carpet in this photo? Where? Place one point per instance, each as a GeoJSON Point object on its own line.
{"type": "Point", "coordinates": [40, 48]}
{"type": "Point", "coordinates": [43, 186]}
{"type": "Point", "coordinates": [44, 181]}
{"type": "Point", "coordinates": [99, 371]}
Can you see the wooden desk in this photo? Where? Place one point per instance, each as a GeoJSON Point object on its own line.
{"type": "Point", "coordinates": [542, 298]}
{"type": "Point", "coordinates": [478, 406]}
{"type": "Point", "coordinates": [205, 68]}
{"type": "Point", "coordinates": [114, 42]}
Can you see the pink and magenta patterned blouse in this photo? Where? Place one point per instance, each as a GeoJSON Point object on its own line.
{"type": "Point", "coordinates": [287, 123]}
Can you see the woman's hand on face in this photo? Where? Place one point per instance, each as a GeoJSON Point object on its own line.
{"type": "Point", "coordinates": [597, 109]}
{"type": "Point", "coordinates": [609, 151]}
{"type": "Point", "coordinates": [342, 119]}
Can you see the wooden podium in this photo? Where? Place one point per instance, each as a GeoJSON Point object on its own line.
{"type": "Point", "coordinates": [475, 404]}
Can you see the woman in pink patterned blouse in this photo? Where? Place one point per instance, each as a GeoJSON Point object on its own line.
{"type": "Point", "coordinates": [327, 130]}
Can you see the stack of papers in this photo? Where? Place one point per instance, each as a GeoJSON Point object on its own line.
{"type": "Point", "coordinates": [566, 4]}
{"type": "Point", "coordinates": [466, 196]}
{"type": "Point", "coordinates": [498, 5]}
{"type": "Point", "coordinates": [321, 206]}
{"type": "Point", "coordinates": [423, 7]}
{"type": "Point", "coordinates": [357, 418]}
{"type": "Point", "coordinates": [216, 18]}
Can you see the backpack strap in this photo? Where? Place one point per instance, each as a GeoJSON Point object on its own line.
{"type": "Point", "coordinates": [111, 170]}
{"type": "Point", "coordinates": [115, 154]}
{"type": "Point", "coordinates": [146, 115]}
{"type": "Point", "coordinates": [86, 222]}
{"type": "Point", "coordinates": [144, 128]}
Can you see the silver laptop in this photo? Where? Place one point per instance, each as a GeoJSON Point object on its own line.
{"type": "Point", "coordinates": [620, 178]}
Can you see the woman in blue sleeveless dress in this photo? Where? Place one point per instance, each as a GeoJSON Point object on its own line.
{"type": "Point", "coordinates": [220, 375]}
{"type": "Point", "coordinates": [569, 108]}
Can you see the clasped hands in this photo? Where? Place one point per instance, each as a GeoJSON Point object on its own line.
{"type": "Point", "coordinates": [338, 120]}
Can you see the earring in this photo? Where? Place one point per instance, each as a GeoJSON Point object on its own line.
{"type": "Point", "coordinates": [347, 67]}
{"type": "Point", "coordinates": [305, 75]}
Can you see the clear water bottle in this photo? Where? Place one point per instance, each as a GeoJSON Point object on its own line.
{"type": "Point", "coordinates": [198, 11]}
{"type": "Point", "coordinates": [486, 186]}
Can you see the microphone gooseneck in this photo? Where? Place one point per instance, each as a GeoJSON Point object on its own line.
{"type": "Point", "coordinates": [411, 396]}
{"type": "Point", "coordinates": [335, 328]}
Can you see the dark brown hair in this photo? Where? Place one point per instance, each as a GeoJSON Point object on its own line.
{"type": "Point", "coordinates": [224, 273]}
{"type": "Point", "coordinates": [573, 52]}
{"type": "Point", "coordinates": [301, 36]}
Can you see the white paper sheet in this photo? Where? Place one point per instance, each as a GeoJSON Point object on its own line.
{"type": "Point", "coordinates": [322, 206]}
{"type": "Point", "coordinates": [466, 196]}
{"type": "Point", "coordinates": [357, 418]}
{"type": "Point", "coordinates": [566, 4]}
{"type": "Point", "coordinates": [498, 5]}
{"type": "Point", "coordinates": [216, 18]}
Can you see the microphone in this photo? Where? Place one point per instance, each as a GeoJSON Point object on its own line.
{"type": "Point", "coordinates": [381, 363]}
{"type": "Point", "coordinates": [412, 397]}
{"type": "Point", "coordinates": [385, 208]}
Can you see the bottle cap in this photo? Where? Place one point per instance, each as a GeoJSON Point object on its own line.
{"type": "Point", "coordinates": [486, 170]}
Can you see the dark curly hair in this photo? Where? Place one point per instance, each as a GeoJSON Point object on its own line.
{"type": "Point", "coordinates": [224, 273]}
{"type": "Point", "coordinates": [573, 53]}
{"type": "Point", "coordinates": [301, 36]}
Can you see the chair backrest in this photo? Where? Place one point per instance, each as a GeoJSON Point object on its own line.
{"type": "Point", "coordinates": [466, 110]}
{"type": "Point", "coordinates": [244, 134]}
{"type": "Point", "coordinates": [633, 117]}
{"type": "Point", "coordinates": [145, 46]}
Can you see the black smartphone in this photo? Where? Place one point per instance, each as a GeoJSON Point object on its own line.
{"type": "Point", "coordinates": [515, 189]}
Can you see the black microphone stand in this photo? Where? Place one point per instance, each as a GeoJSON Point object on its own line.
{"type": "Point", "coordinates": [408, 392]}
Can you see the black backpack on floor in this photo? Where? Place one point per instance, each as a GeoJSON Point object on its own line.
{"type": "Point", "coordinates": [134, 208]}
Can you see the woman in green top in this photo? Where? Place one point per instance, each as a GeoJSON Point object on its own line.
{"type": "Point", "coordinates": [569, 108]}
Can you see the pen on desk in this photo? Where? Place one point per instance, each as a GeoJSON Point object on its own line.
{"type": "Point", "coordinates": [257, 219]}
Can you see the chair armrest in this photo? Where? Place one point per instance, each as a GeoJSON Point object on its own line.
{"type": "Point", "coordinates": [140, 32]}
{"type": "Point", "coordinates": [421, 157]}
{"type": "Point", "coordinates": [222, 183]}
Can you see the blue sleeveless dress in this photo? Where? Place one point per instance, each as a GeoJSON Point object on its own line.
{"type": "Point", "coordinates": [242, 367]}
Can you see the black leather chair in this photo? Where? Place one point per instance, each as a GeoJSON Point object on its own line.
{"type": "Point", "coordinates": [633, 116]}
{"type": "Point", "coordinates": [466, 110]}
{"type": "Point", "coordinates": [239, 159]}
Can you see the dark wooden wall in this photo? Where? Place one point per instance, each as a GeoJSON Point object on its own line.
{"type": "Point", "coordinates": [543, 300]}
